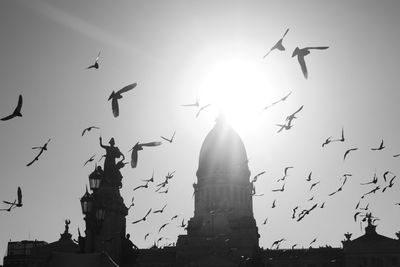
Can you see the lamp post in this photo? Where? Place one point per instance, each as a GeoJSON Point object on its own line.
{"type": "Point", "coordinates": [95, 178]}
{"type": "Point", "coordinates": [86, 203]}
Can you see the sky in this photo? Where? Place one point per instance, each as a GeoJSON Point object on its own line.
{"type": "Point", "coordinates": [177, 51]}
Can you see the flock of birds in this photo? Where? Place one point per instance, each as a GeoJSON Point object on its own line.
{"type": "Point", "coordinates": [297, 213]}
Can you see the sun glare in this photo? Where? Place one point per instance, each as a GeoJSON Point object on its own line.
{"type": "Point", "coordinates": [239, 89]}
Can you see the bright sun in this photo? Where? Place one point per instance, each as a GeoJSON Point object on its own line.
{"type": "Point", "coordinates": [239, 89]}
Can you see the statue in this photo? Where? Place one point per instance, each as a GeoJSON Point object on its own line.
{"type": "Point", "coordinates": [67, 223]}
{"type": "Point", "coordinates": [111, 169]}
{"type": "Point", "coordinates": [348, 236]}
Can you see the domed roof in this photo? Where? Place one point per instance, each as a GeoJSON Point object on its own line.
{"type": "Point", "coordinates": [223, 155]}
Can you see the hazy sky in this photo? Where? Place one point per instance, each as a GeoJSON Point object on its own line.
{"type": "Point", "coordinates": [177, 51]}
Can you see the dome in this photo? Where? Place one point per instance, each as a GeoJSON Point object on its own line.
{"type": "Point", "coordinates": [223, 155]}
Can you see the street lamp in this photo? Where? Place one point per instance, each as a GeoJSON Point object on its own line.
{"type": "Point", "coordinates": [95, 178]}
{"type": "Point", "coordinates": [100, 213]}
{"type": "Point", "coordinates": [86, 202]}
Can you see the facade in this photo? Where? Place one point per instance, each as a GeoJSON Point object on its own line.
{"type": "Point", "coordinates": [221, 233]}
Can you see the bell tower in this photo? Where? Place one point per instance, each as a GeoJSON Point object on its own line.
{"type": "Point", "coordinates": [223, 224]}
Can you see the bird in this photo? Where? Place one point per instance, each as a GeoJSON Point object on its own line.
{"type": "Point", "coordinates": [146, 236]}
{"type": "Point", "coordinates": [265, 221]}
{"type": "Point", "coordinates": [301, 53]}
{"type": "Point", "coordinates": [342, 137]}
{"type": "Point", "coordinates": [144, 218]}
{"type": "Point", "coordinates": [311, 198]}
{"type": "Point", "coordinates": [16, 112]}
{"type": "Point", "coordinates": [322, 205]}
{"type": "Point", "coordinates": [293, 115]}
{"type": "Point", "coordinates": [183, 225]}
{"type": "Point", "coordinates": [348, 151]}
{"type": "Point", "coordinates": [278, 44]}
{"type": "Point", "coordinates": [355, 215]}
{"type": "Point", "coordinates": [277, 242]}
{"type": "Point", "coordinates": [174, 217]}
{"type": "Point", "coordinates": [374, 180]}
{"type": "Point", "coordinates": [385, 175]}
{"type": "Point", "coordinates": [160, 210]}
{"type": "Point", "coordinates": [195, 104]}
{"type": "Point", "coordinates": [365, 208]}
{"type": "Point", "coordinates": [169, 140]}
{"type": "Point", "coordinates": [273, 204]}
{"type": "Point", "coordinates": [280, 189]}
{"type": "Point", "coordinates": [293, 246]}
{"type": "Point", "coordinates": [309, 177]}
{"type": "Point", "coordinates": [95, 65]}
{"type": "Point", "coordinates": [256, 176]}
{"type": "Point", "coordinates": [88, 129]}
{"type": "Point", "coordinates": [280, 100]}
{"type": "Point", "coordinates": [141, 186]}
{"type": "Point", "coordinates": [286, 169]}
{"type": "Point", "coordinates": [294, 212]}
{"type": "Point", "coordinates": [201, 109]}
{"type": "Point", "coordinates": [89, 160]}
{"type": "Point", "coordinates": [314, 184]}
{"type": "Point", "coordinates": [17, 202]}
{"type": "Point", "coordinates": [327, 141]}
{"type": "Point", "coordinates": [284, 126]}
{"type": "Point", "coordinates": [381, 146]}
{"type": "Point", "coordinates": [42, 148]}
{"type": "Point", "coordinates": [162, 226]}
{"type": "Point", "coordinates": [313, 241]}
{"type": "Point", "coordinates": [306, 212]}
{"type": "Point", "coordinates": [396, 155]}
{"type": "Point", "coordinates": [151, 178]}
{"type": "Point", "coordinates": [118, 95]}
{"type": "Point", "coordinates": [138, 146]}
{"type": "Point", "coordinates": [372, 191]}
{"type": "Point", "coordinates": [389, 185]}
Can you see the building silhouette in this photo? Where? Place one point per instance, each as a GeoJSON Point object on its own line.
{"type": "Point", "coordinates": [221, 233]}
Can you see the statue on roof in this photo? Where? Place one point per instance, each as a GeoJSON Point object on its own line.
{"type": "Point", "coordinates": [111, 168]}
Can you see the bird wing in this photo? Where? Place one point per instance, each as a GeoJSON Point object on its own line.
{"type": "Point", "coordinates": [98, 56]}
{"type": "Point", "coordinates": [19, 195]}
{"type": "Point", "coordinates": [316, 47]}
{"type": "Point", "coordinates": [166, 139]}
{"type": "Point", "coordinates": [285, 33]}
{"type": "Point", "coordinates": [303, 65]}
{"type": "Point", "coordinates": [151, 144]}
{"type": "Point", "coordinates": [114, 106]}
{"type": "Point", "coordinates": [8, 117]}
{"type": "Point", "coordinates": [134, 158]}
{"type": "Point", "coordinates": [19, 105]}
{"type": "Point", "coordinates": [297, 111]}
{"type": "Point", "coordinates": [126, 88]}
{"type": "Point", "coordinates": [147, 214]}
{"type": "Point", "coordinates": [84, 131]}
{"type": "Point", "coordinates": [36, 158]}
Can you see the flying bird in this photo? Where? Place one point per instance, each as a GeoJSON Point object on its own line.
{"type": "Point", "coordinates": [136, 148]}
{"type": "Point", "coordinates": [301, 53]}
{"type": "Point", "coordinates": [118, 95]}
{"type": "Point", "coordinates": [314, 184]}
{"type": "Point", "coordinates": [195, 104]}
{"type": "Point", "coordinates": [348, 151]}
{"type": "Point", "coordinates": [170, 139]}
{"type": "Point", "coordinates": [313, 241]}
{"type": "Point", "coordinates": [17, 202]}
{"type": "Point", "coordinates": [284, 126]}
{"type": "Point", "coordinates": [201, 109]}
{"type": "Point", "coordinates": [342, 137]}
{"type": "Point", "coordinates": [372, 191]}
{"type": "Point", "coordinates": [96, 63]}
{"type": "Point", "coordinates": [162, 226]}
{"type": "Point", "coordinates": [389, 185]}
{"type": "Point", "coordinates": [144, 218]}
{"type": "Point", "coordinates": [381, 146]}
{"type": "Point", "coordinates": [306, 212]}
{"type": "Point", "coordinates": [160, 210]}
{"type": "Point", "coordinates": [294, 212]}
{"type": "Point", "coordinates": [89, 160]}
{"type": "Point", "coordinates": [277, 242]}
{"type": "Point", "coordinates": [293, 115]}
{"type": "Point", "coordinates": [309, 177]}
{"type": "Point", "coordinates": [278, 44]}
{"type": "Point", "coordinates": [141, 186]}
{"type": "Point", "coordinates": [42, 148]}
{"type": "Point", "coordinates": [273, 204]}
{"type": "Point", "coordinates": [280, 189]}
{"type": "Point", "coordinates": [256, 176]}
{"type": "Point", "coordinates": [327, 141]}
{"type": "Point", "coordinates": [265, 221]}
{"type": "Point", "coordinates": [151, 178]}
{"type": "Point", "coordinates": [88, 129]}
{"type": "Point", "coordinates": [16, 112]}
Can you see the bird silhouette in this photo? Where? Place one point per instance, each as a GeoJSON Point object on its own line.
{"type": "Point", "coordinates": [348, 151]}
{"type": "Point", "coordinates": [280, 100]}
{"type": "Point", "coordinates": [294, 212]}
{"type": "Point", "coordinates": [138, 146]}
{"type": "Point", "coordinates": [277, 242]}
{"type": "Point", "coordinates": [16, 203]}
{"type": "Point", "coordinates": [95, 65]}
{"type": "Point", "coordinates": [195, 104]}
{"type": "Point", "coordinates": [396, 155]}
{"type": "Point", "coordinates": [16, 112]}
{"type": "Point", "coordinates": [309, 177]}
{"type": "Point", "coordinates": [373, 191]}
{"type": "Point", "coordinates": [301, 53]}
{"type": "Point", "coordinates": [89, 160]}
{"type": "Point", "coordinates": [313, 241]}
{"type": "Point", "coordinates": [306, 212]}
{"type": "Point", "coordinates": [374, 180]}
{"type": "Point", "coordinates": [273, 203]}
{"type": "Point", "coordinates": [162, 227]}
{"type": "Point", "coordinates": [385, 174]}
{"type": "Point", "coordinates": [322, 205]}
{"type": "Point", "coordinates": [144, 218]}
{"type": "Point", "coordinates": [42, 148]}
{"type": "Point", "coordinates": [151, 178]}
{"type": "Point", "coordinates": [389, 185]}
{"type": "Point", "coordinates": [170, 139]}
{"type": "Point", "coordinates": [314, 184]}
{"type": "Point", "coordinates": [265, 221]}
{"type": "Point", "coordinates": [160, 210]}
{"type": "Point", "coordinates": [293, 115]}
{"type": "Point", "coordinates": [88, 129]}
{"type": "Point", "coordinates": [118, 95]}
{"type": "Point", "coordinates": [327, 141]}
{"type": "Point", "coordinates": [146, 185]}
{"type": "Point", "coordinates": [256, 176]}
{"type": "Point", "coordinates": [342, 137]}
{"type": "Point", "coordinates": [146, 236]}
{"type": "Point", "coordinates": [278, 44]}
{"type": "Point", "coordinates": [174, 217]}
{"type": "Point", "coordinates": [381, 146]}
{"type": "Point", "coordinates": [279, 189]}
{"type": "Point", "coordinates": [287, 169]}
{"type": "Point", "coordinates": [201, 109]}
{"type": "Point", "coordinates": [284, 126]}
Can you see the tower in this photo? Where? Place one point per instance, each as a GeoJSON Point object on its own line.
{"type": "Point", "coordinates": [223, 224]}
